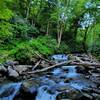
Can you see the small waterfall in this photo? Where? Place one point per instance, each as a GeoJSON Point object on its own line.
{"type": "Point", "coordinates": [44, 95]}
{"type": "Point", "coordinates": [57, 71]}
{"type": "Point", "coordinates": [59, 57]}
{"type": "Point", "coordinates": [71, 71]}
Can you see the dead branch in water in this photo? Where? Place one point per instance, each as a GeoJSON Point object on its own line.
{"type": "Point", "coordinates": [36, 64]}
{"type": "Point", "coordinates": [50, 62]}
{"type": "Point", "coordinates": [85, 64]}
{"type": "Point", "coordinates": [71, 62]}
{"type": "Point", "coordinates": [76, 61]}
{"type": "Point", "coordinates": [47, 68]}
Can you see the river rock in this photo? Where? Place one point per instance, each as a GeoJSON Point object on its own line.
{"type": "Point", "coordinates": [2, 68]}
{"type": "Point", "coordinates": [22, 68]}
{"type": "Point", "coordinates": [11, 63]}
{"type": "Point", "coordinates": [96, 74]}
{"type": "Point", "coordinates": [25, 94]}
{"type": "Point", "coordinates": [80, 69]}
{"type": "Point", "coordinates": [12, 72]}
{"type": "Point", "coordinates": [95, 80]}
{"type": "Point", "coordinates": [32, 83]}
{"type": "Point", "coordinates": [44, 64]}
{"type": "Point", "coordinates": [3, 71]}
{"type": "Point", "coordinates": [96, 96]}
{"type": "Point", "coordinates": [70, 94]}
{"type": "Point", "coordinates": [64, 88]}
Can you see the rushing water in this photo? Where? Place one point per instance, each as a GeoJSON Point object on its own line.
{"type": "Point", "coordinates": [44, 95]}
{"type": "Point", "coordinates": [8, 91]}
{"type": "Point", "coordinates": [71, 71]}
{"type": "Point", "coordinates": [48, 87]}
{"type": "Point", "coordinates": [59, 57]}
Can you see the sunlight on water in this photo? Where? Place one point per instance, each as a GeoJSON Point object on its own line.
{"type": "Point", "coordinates": [44, 95]}
{"type": "Point", "coordinates": [59, 57]}
{"type": "Point", "coordinates": [57, 71]}
{"type": "Point", "coordinates": [71, 71]}
{"type": "Point", "coordinates": [8, 92]}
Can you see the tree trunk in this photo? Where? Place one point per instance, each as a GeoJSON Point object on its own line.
{"type": "Point", "coordinates": [58, 32]}
{"type": "Point", "coordinates": [47, 33]}
{"type": "Point", "coordinates": [28, 10]}
{"type": "Point", "coordinates": [60, 36]}
{"type": "Point", "coordinates": [84, 41]}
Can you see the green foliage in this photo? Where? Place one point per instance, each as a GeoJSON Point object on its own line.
{"type": "Point", "coordinates": [92, 41]}
{"type": "Point", "coordinates": [24, 23]}
{"type": "Point", "coordinates": [44, 45]}
{"type": "Point", "coordinates": [4, 56]}
{"type": "Point", "coordinates": [5, 14]}
{"type": "Point", "coordinates": [80, 7]}
{"type": "Point", "coordinates": [25, 51]}
{"type": "Point", "coordinates": [5, 27]}
{"type": "Point", "coordinates": [24, 30]}
{"type": "Point", "coordinates": [5, 31]}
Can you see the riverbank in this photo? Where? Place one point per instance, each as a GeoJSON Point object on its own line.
{"type": "Point", "coordinates": [52, 78]}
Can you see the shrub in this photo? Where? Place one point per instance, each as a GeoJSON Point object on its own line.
{"type": "Point", "coordinates": [4, 55]}
{"type": "Point", "coordinates": [22, 53]}
{"type": "Point", "coordinates": [45, 45]}
{"type": "Point", "coordinates": [5, 31]}
{"type": "Point", "coordinates": [24, 31]}
{"type": "Point", "coordinates": [25, 51]}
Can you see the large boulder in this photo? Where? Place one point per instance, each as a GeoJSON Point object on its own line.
{"type": "Point", "coordinates": [22, 68]}
{"type": "Point", "coordinates": [68, 93]}
{"type": "Point", "coordinates": [2, 68]}
{"type": "Point", "coordinates": [12, 72]}
{"type": "Point", "coordinates": [10, 63]}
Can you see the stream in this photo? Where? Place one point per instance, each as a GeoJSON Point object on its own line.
{"type": "Point", "coordinates": [60, 83]}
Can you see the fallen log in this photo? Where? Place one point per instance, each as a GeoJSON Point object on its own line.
{"type": "Point", "coordinates": [71, 62]}
{"type": "Point", "coordinates": [36, 64]}
{"type": "Point", "coordinates": [50, 62]}
{"type": "Point", "coordinates": [78, 59]}
{"type": "Point", "coordinates": [47, 68]}
{"type": "Point", "coordinates": [85, 64]}
{"type": "Point", "coordinates": [96, 91]}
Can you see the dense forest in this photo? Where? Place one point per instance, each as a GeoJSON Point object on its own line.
{"type": "Point", "coordinates": [49, 49]}
{"type": "Point", "coordinates": [48, 27]}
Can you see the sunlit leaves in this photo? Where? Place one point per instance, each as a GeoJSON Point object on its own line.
{"type": "Point", "coordinates": [5, 30]}
{"type": "Point", "coordinates": [5, 14]}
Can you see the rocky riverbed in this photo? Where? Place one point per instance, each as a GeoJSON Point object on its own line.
{"type": "Point", "coordinates": [65, 82]}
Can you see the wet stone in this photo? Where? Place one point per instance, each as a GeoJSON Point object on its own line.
{"type": "Point", "coordinates": [2, 68]}
{"type": "Point", "coordinates": [12, 72]}
{"type": "Point", "coordinates": [25, 94]}
{"type": "Point", "coordinates": [70, 94]}
{"type": "Point", "coordinates": [64, 88]}
{"type": "Point", "coordinates": [22, 68]}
